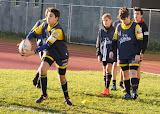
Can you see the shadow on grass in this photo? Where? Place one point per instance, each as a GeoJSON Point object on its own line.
{"type": "Point", "coordinates": [110, 96]}
{"type": "Point", "coordinates": [34, 108]}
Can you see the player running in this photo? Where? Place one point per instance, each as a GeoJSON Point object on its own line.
{"type": "Point", "coordinates": [128, 38]}
{"type": "Point", "coordinates": [104, 41]}
{"type": "Point", "coordinates": [55, 50]}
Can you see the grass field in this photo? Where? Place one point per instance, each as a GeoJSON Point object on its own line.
{"type": "Point", "coordinates": [18, 95]}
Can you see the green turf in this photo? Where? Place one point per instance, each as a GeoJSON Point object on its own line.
{"type": "Point", "coordinates": [18, 95]}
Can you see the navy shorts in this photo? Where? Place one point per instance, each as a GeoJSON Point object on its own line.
{"type": "Point", "coordinates": [62, 64]}
{"type": "Point", "coordinates": [127, 64]}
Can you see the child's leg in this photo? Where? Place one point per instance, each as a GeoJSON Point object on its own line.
{"type": "Point", "coordinates": [61, 71]}
{"type": "Point", "coordinates": [104, 74]}
{"type": "Point", "coordinates": [43, 76]}
{"type": "Point", "coordinates": [121, 79]}
{"type": "Point", "coordinates": [127, 80]}
{"type": "Point", "coordinates": [109, 75]}
{"type": "Point", "coordinates": [43, 81]}
{"type": "Point", "coordinates": [139, 72]}
{"type": "Point", "coordinates": [114, 73]}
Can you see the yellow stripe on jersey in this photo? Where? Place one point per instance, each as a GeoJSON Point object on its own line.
{"type": "Point", "coordinates": [115, 36]}
{"type": "Point", "coordinates": [138, 32]}
{"type": "Point", "coordinates": [35, 26]}
{"type": "Point", "coordinates": [38, 30]}
{"type": "Point", "coordinates": [56, 35]}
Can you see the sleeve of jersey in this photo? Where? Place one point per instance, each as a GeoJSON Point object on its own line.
{"type": "Point", "coordinates": [139, 36]}
{"type": "Point", "coordinates": [35, 26]}
{"type": "Point", "coordinates": [145, 38]}
{"type": "Point", "coordinates": [55, 35]}
{"type": "Point", "coordinates": [114, 40]}
{"type": "Point", "coordinates": [35, 32]}
{"type": "Point", "coordinates": [98, 44]}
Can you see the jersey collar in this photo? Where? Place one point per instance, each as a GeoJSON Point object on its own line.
{"type": "Point", "coordinates": [50, 27]}
{"type": "Point", "coordinates": [126, 26]}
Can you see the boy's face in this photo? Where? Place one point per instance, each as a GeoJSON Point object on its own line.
{"type": "Point", "coordinates": [51, 19]}
{"type": "Point", "coordinates": [107, 22]}
{"type": "Point", "coordinates": [126, 20]}
{"type": "Point", "coordinates": [137, 16]}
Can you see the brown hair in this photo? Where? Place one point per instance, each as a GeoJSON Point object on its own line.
{"type": "Point", "coordinates": [53, 10]}
{"type": "Point", "coordinates": [138, 9]}
{"type": "Point", "coordinates": [107, 15]}
{"type": "Point", "coordinates": [123, 13]}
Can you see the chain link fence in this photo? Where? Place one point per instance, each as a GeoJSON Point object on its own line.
{"type": "Point", "coordinates": [80, 22]}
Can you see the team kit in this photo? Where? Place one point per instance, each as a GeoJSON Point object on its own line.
{"type": "Point", "coordinates": [122, 43]}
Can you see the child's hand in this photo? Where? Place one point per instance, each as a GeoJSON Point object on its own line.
{"type": "Point", "coordinates": [141, 56]}
{"type": "Point", "coordinates": [137, 58]}
{"type": "Point", "coordinates": [99, 58]}
{"type": "Point", "coordinates": [111, 55]}
{"type": "Point", "coordinates": [28, 53]}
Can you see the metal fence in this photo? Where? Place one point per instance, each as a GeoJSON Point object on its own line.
{"type": "Point", "coordinates": [80, 22]}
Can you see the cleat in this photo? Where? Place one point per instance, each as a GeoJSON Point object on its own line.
{"type": "Point", "coordinates": [105, 92]}
{"type": "Point", "coordinates": [127, 96]}
{"type": "Point", "coordinates": [113, 88]}
{"type": "Point", "coordinates": [134, 95]}
{"type": "Point", "coordinates": [68, 101]}
{"type": "Point", "coordinates": [41, 98]}
{"type": "Point", "coordinates": [121, 87]}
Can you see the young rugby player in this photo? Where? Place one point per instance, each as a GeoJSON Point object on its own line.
{"type": "Point", "coordinates": [103, 45]}
{"type": "Point", "coordinates": [138, 14]}
{"type": "Point", "coordinates": [128, 38]}
{"type": "Point", "coordinates": [55, 50]}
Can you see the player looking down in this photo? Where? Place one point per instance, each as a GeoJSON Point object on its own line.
{"type": "Point", "coordinates": [128, 38]}
{"type": "Point", "coordinates": [104, 41]}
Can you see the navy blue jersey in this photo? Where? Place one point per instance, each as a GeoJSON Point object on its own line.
{"type": "Point", "coordinates": [55, 40]}
{"type": "Point", "coordinates": [104, 41]}
{"type": "Point", "coordinates": [127, 40]}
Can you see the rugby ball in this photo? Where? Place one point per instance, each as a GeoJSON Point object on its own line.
{"type": "Point", "coordinates": [25, 46]}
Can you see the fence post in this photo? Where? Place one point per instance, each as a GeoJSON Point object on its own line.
{"type": "Point", "coordinates": [26, 21]}
{"type": "Point", "coordinates": [149, 26]}
{"type": "Point", "coordinates": [69, 23]}
{"type": "Point", "coordinates": [101, 14]}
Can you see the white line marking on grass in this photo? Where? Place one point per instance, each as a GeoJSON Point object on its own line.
{"type": "Point", "coordinates": [151, 73]}
{"type": "Point", "coordinates": [27, 109]}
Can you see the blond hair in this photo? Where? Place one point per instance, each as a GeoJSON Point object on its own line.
{"type": "Point", "coordinates": [107, 15]}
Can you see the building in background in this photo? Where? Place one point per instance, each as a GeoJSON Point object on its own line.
{"type": "Point", "coordinates": [80, 19]}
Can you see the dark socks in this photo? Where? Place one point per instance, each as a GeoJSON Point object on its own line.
{"type": "Point", "coordinates": [43, 80]}
{"type": "Point", "coordinates": [64, 89]}
{"type": "Point", "coordinates": [134, 82]}
{"type": "Point", "coordinates": [109, 76]}
{"type": "Point", "coordinates": [127, 86]}
{"type": "Point", "coordinates": [114, 82]}
{"type": "Point", "coordinates": [105, 81]}
{"type": "Point", "coordinates": [120, 83]}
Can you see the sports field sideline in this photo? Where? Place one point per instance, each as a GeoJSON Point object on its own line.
{"type": "Point", "coordinates": [81, 58]}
